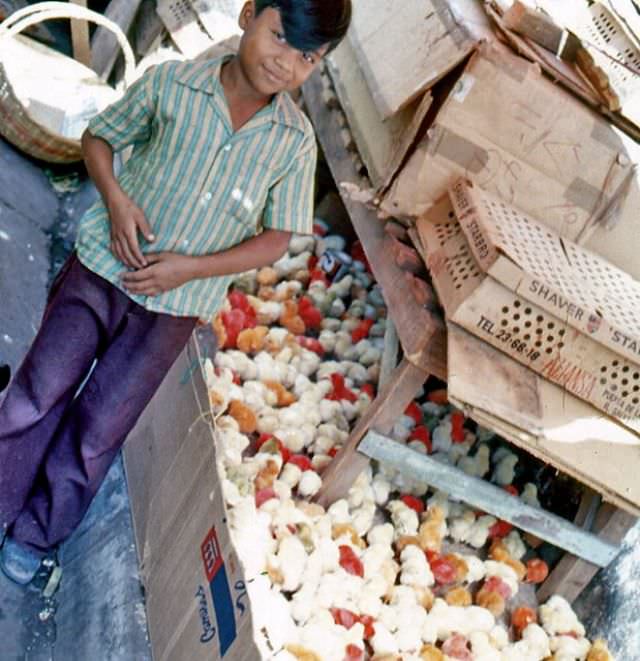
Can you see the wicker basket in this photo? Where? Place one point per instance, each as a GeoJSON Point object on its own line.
{"type": "Point", "coordinates": [46, 98]}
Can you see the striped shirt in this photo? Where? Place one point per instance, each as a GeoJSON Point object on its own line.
{"type": "Point", "coordinates": [203, 187]}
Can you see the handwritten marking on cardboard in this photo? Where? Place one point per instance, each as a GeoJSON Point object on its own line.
{"type": "Point", "coordinates": [570, 376]}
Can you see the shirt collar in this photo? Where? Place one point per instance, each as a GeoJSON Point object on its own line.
{"type": "Point", "coordinates": [205, 76]}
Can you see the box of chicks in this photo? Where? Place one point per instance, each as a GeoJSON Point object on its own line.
{"type": "Point", "coordinates": [237, 560]}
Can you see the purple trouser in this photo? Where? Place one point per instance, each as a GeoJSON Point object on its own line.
{"type": "Point", "coordinates": [56, 447]}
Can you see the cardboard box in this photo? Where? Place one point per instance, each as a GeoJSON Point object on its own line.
{"type": "Point", "coordinates": [508, 320]}
{"type": "Point", "coordinates": [405, 47]}
{"type": "Point", "coordinates": [196, 598]}
{"type": "Point", "coordinates": [519, 136]}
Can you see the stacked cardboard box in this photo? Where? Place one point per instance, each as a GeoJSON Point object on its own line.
{"type": "Point", "coordinates": [553, 306]}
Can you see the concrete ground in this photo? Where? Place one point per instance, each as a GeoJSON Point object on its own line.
{"type": "Point", "coordinates": [98, 612]}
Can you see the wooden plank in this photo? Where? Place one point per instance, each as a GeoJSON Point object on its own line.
{"type": "Point", "coordinates": [389, 353]}
{"type": "Point", "coordinates": [104, 45]}
{"type": "Point", "coordinates": [544, 420]}
{"type": "Point", "coordinates": [80, 37]}
{"type": "Point", "coordinates": [489, 498]}
{"type": "Point", "coordinates": [572, 575]}
{"type": "Point", "coordinates": [393, 398]}
{"type": "Point", "coordinates": [147, 28]}
{"type": "Point", "coordinates": [422, 334]}
{"type": "Point", "coordinates": [536, 25]}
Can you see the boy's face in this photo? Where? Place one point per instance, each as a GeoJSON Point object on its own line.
{"type": "Point", "coordinates": [270, 64]}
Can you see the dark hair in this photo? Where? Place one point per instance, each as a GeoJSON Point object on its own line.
{"type": "Point", "coordinates": [310, 24]}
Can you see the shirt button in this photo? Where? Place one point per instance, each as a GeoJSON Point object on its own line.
{"type": "Point", "coordinates": [227, 148]}
{"type": "Point", "coordinates": [207, 196]}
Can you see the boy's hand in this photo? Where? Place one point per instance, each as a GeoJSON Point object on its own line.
{"type": "Point", "coordinates": [126, 220]}
{"type": "Point", "coordinates": [165, 271]}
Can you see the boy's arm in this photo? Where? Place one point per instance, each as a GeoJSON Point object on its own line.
{"type": "Point", "coordinates": [168, 270]}
{"type": "Point", "coordinates": [125, 216]}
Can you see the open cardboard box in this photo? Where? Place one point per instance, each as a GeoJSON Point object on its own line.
{"type": "Point", "coordinates": [196, 598]}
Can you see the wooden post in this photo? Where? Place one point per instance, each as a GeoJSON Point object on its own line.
{"type": "Point", "coordinates": [80, 37]}
{"type": "Point", "coordinates": [388, 406]}
{"type": "Point", "coordinates": [572, 575]}
{"type": "Point", "coordinates": [104, 45]}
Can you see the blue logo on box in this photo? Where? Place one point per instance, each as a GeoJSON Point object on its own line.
{"type": "Point", "coordinates": [220, 593]}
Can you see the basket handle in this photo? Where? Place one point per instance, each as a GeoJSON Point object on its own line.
{"type": "Point", "coordinates": [43, 11]}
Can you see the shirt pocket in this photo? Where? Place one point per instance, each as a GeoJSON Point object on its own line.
{"type": "Point", "coordinates": [248, 195]}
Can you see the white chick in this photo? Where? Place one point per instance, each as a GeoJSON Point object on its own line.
{"type": "Point", "coordinates": [320, 461]}
{"type": "Point", "coordinates": [272, 622]}
{"type": "Point", "coordinates": [405, 519]}
{"type": "Point", "coordinates": [499, 637]}
{"type": "Point", "coordinates": [504, 472]}
{"type": "Point", "coordinates": [479, 532]}
{"type": "Point", "coordinates": [327, 640]}
{"type": "Point", "coordinates": [515, 546]}
{"type": "Point", "coordinates": [327, 339]}
{"type": "Point", "coordinates": [476, 569]}
{"type": "Point", "coordinates": [218, 386]}
{"type": "Point", "coordinates": [239, 362]}
{"type": "Point", "coordinates": [329, 552]}
{"type": "Point", "coordinates": [330, 323]}
{"type": "Point", "coordinates": [250, 530]}
{"type": "Point", "coordinates": [504, 572]}
{"type": "Point", "coordinates": [374, 557]}
{"type": "Point", "coordinates": [301, 243]}
{"type": "Point", "coordinates": [483, 648]}
{"type": "Point", "coordinates": [358, 373]}
{"type": "Point", "coordinates": [342, 288]}
{"type": "Point", "coordinates": [415, 570]}
{"type": "Point", "coordinates": [459, 619]}
{"type": "Point", "coordinates": [441, 437]}
{"type": "Point", "coordinates": [291, 475]}
{"type": "Point", "coordinates": [267, 421]}
{"type": "Point", "coordinates": [557, 617]}
{"type": "Point", "coordinates": [363, 517]}
{"type": "Point", "coordinates": [382, 534]}
{"type": "Point", "coordinates": [286, 265]}
{"type": "Point", "coordinates": [309, 484]}
{"type": "Point", "coordinates": [231, 445]}
{"type": "Point", "coordinates": [478, 464]}
{"type": "Point", "coordinates": [381, 489]}
{"type": "Point", "coordinates": [568, 648]}
{"type": "Point", "coordinates": [529, 495]}
{"type": "Point", "coordinates": [383, 641]}
{"type": "Point", "coordinates": [290, 560]}
{"type": "Point", "coordinates": [460, 527]}
{"type": "Point", "coordinates": [268, 312]}
{"type": "Point", "coordinates": [441, 499]}
{"type": "Point", "coordinates": [339, 512]}
{"type": "Point", "coordinates": [303, 602]}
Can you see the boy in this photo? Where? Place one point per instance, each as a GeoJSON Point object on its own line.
{"type": "Point", "coordinates": [220, 150]}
